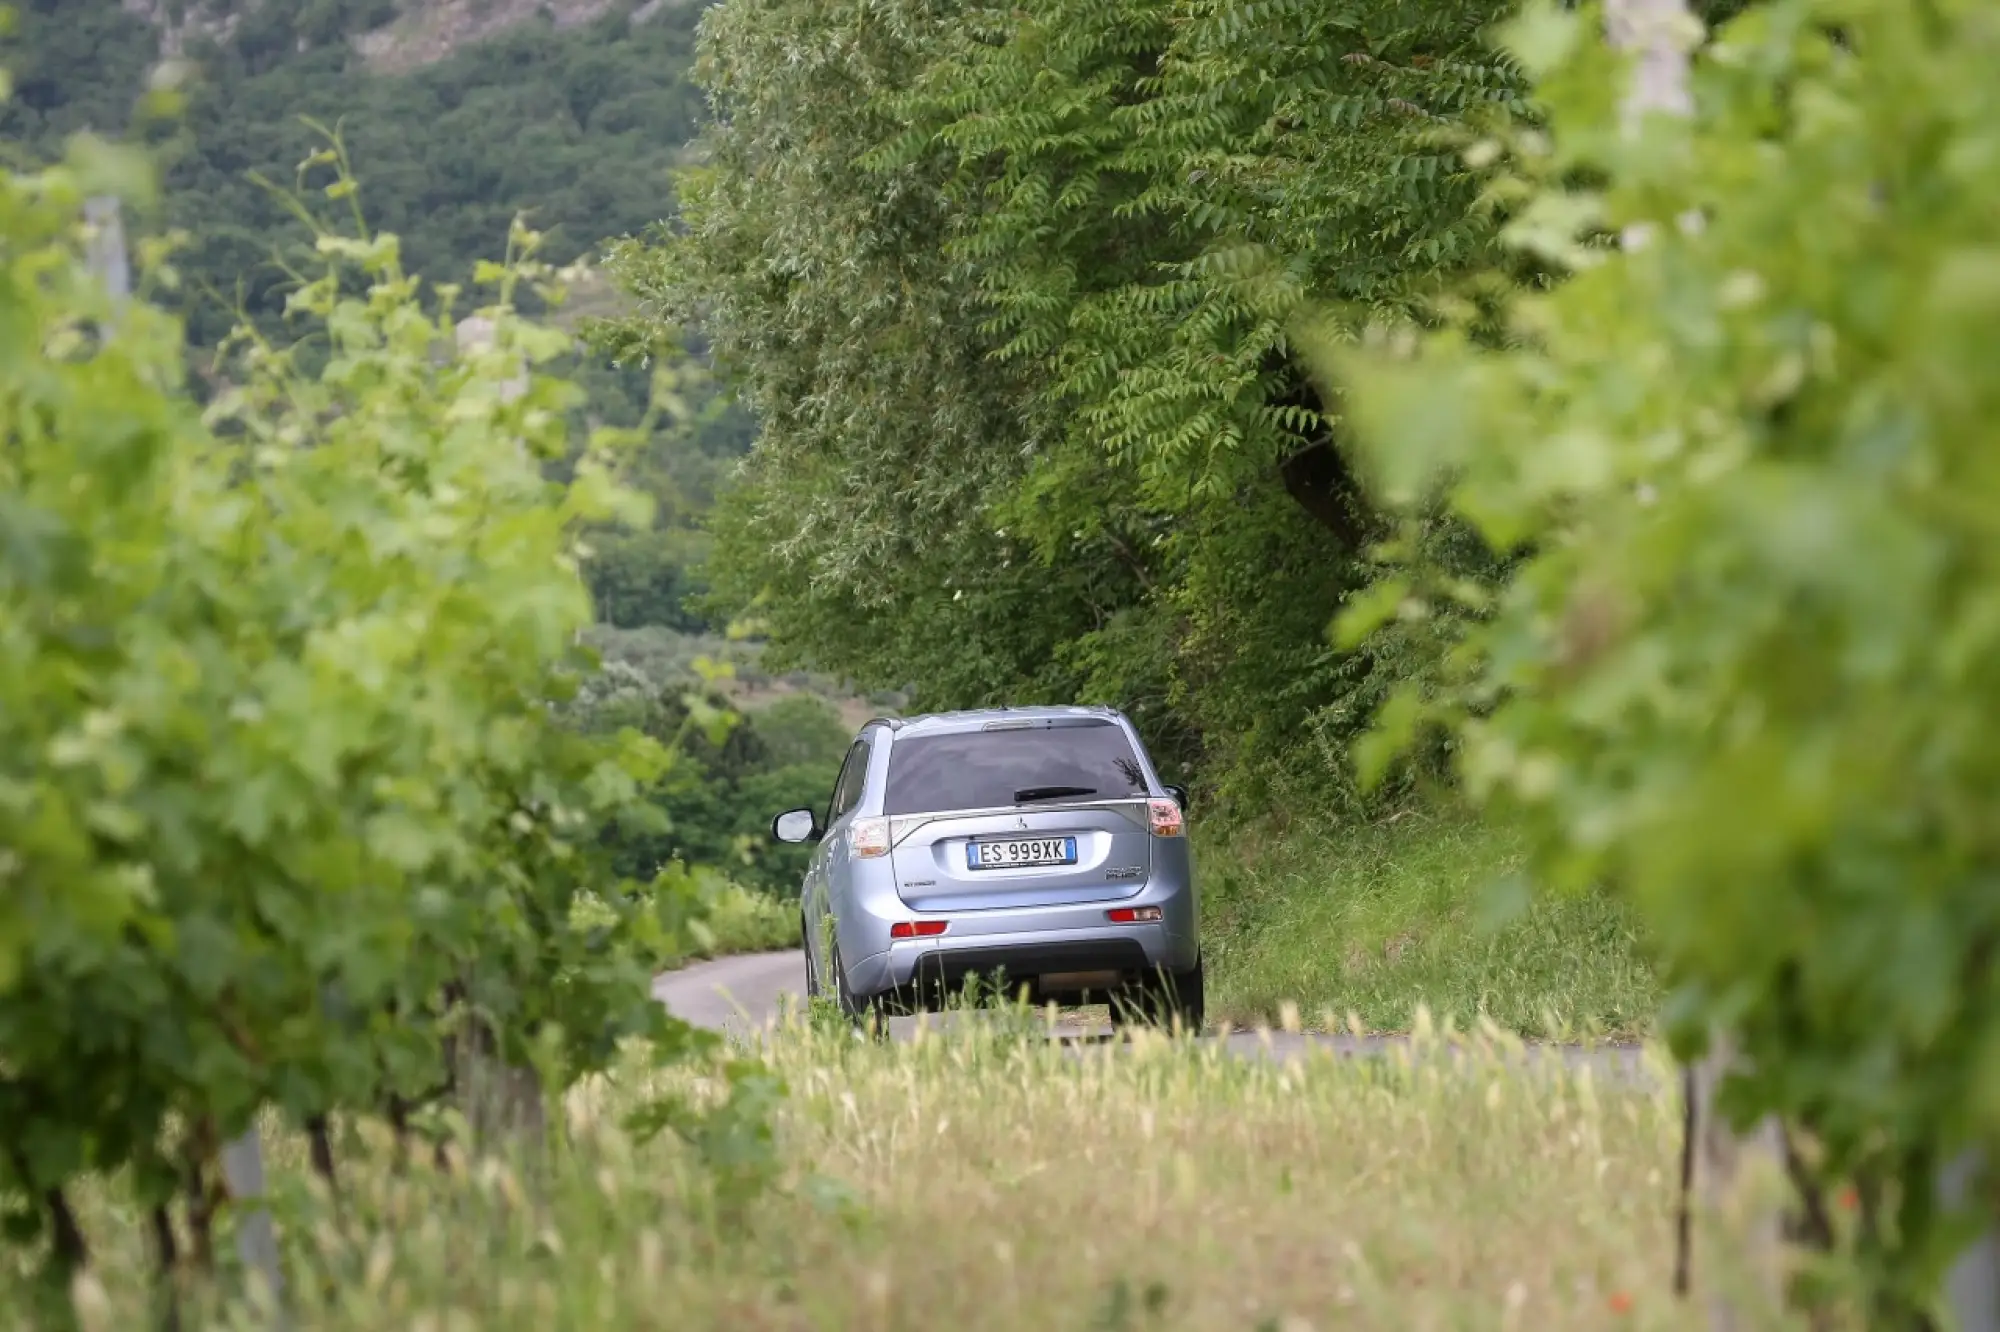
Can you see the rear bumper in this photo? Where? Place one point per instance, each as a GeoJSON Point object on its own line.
{"type": "Point", "coordinates": [1068, 965]}
{"type": "Point", "coordinates": [1046, 945]}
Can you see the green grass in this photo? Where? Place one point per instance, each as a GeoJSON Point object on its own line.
{"type": "Point", "coordinates": [1375, 920]}
{"type": "Point", "coordinates": [984, 1178]}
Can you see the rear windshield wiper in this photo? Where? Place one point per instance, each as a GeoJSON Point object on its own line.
{"type": "Point", "coordinates": [1028, 793]}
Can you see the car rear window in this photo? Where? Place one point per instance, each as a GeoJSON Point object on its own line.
{"type": "Point", "coordinates": [984, 769]}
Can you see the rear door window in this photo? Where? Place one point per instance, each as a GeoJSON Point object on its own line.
{"type": "Point", "coordinates": [1030, 765]}
{"type": "Point", "coordinates": [853, 780]}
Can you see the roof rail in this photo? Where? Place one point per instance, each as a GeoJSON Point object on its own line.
{"type": "Point", "coordinates": [893, 723]}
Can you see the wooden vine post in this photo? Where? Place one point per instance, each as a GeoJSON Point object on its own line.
{"type": "Point", "coordinates": [500, 1101]}
{"type": "Point", "coordinates": [1972, 1288]}
{"type": "Point", "coordinates": [1718, 1166]}
{"type": "Point", "coordinates": [242, 1159]}
{"type": "Point", "coordinates": [1733, 1177]}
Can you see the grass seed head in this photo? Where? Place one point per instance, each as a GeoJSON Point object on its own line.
{"type": "Point", "coordinates": [92, 1304]}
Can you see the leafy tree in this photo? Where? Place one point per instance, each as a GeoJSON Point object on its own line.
{"type": "Point", "coordinates": [1008, 288]}
{"type": "Point", "coordinates": [803, 731]}
{"type": "Point", "coordinates": [1746, 666]}
{"type": "Point", "coordinates": [656, 575]}
{"type": "Point", "coordinates": [715, 807]}
{"type": "Point", "coordinates": [645, 578]}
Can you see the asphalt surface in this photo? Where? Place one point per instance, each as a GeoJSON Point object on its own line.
{"type": "Point", "coordinates": [743, 995]}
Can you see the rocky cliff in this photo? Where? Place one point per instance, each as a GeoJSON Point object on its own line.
{"type": "Point", "coordinates": [392, 35]}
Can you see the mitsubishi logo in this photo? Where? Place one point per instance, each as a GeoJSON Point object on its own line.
{"type": "Point", "coordinates": [1023, 822]}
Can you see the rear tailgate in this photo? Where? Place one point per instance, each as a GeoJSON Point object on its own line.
{"type": "Point", "coordinates": [1059, 802]}
{"type": "Point", "coordinates": [1042, 856]}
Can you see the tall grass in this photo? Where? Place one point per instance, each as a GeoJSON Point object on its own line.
{"type": "Point", "coordinates": [1377, 919]}
{"type": "Point", "coordinates": [990, 1178]}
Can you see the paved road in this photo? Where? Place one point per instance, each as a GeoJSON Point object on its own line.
{"type": "Point", "coordinates": [738, 994]}
{"type": "Point", "coordinates": [741, 995]}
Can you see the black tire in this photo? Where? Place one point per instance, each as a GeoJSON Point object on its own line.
{"type": "Point", "coordinates": [812, 972]}
{"type": "Point", "coordinates": [865, 1014]}
{"type": "Point", "coordinates": [1159, 1001]}
{"type": "Point", "coordinates": [1190, 999]}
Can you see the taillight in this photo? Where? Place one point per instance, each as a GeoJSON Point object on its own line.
{"type": "Point", "coordinates": [871, 838]}
{"type": "Point", "coordinates": [1164, 816]}
{"type": "Point", "coordinates": [918, 929]}
{"type": "Point", "coordinates": [1132, 915]}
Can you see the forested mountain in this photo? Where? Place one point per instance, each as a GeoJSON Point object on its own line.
{"type": "Point", "coordinates": [455, 116]}
{"type": "Point", "coordinates": [454, 122]}
{"type": "Point", "coordinates": [573, 114]}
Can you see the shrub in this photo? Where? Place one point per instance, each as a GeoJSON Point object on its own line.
{"type": "Point", "coordinates": [1747, 670]}
{"type": "Point", "coordinates": [285, 808]}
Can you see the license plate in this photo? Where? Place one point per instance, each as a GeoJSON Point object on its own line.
{"type": "Point", "coordinates": [1020, 853]}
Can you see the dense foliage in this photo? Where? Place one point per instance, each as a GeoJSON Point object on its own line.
{"type": "Point", "coordinates": [1008, 288]}
{"type": "Point", "coordinates": [719, 799]}
{"type": "Point", "coordinates": [1747, 672]}
{"type": "Point", "coordinates": [575, 126]}
{"type": "Point", "coordinates": [656, 574]}
{"type": "Point", "coordinates": [284, 802]}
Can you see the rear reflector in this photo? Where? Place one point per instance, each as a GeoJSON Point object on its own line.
{"type": "Point", "coordinates": [1132, 915]}
{"type": "Point", "coordinates": [1164, 817]}
{"type": "Point", "coordinates": [918, 929]}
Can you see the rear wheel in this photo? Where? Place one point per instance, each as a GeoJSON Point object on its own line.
{"type": "Point", "coordinates": [1159, 1000]}
{"type": "Point", "coordinates": [866, 1014]}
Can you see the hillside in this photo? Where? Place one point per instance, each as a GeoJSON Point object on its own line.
{"type": "Point", "coordinates": [457, 115]}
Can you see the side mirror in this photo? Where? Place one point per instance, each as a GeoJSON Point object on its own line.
{"type": "Point", "coordinates": [796, 826]}
{"type": "Point", "coordinates": [1179, 793]}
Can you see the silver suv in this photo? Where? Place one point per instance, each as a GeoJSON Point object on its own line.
{"type": "Point", "coordinates": [1034, 846]}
